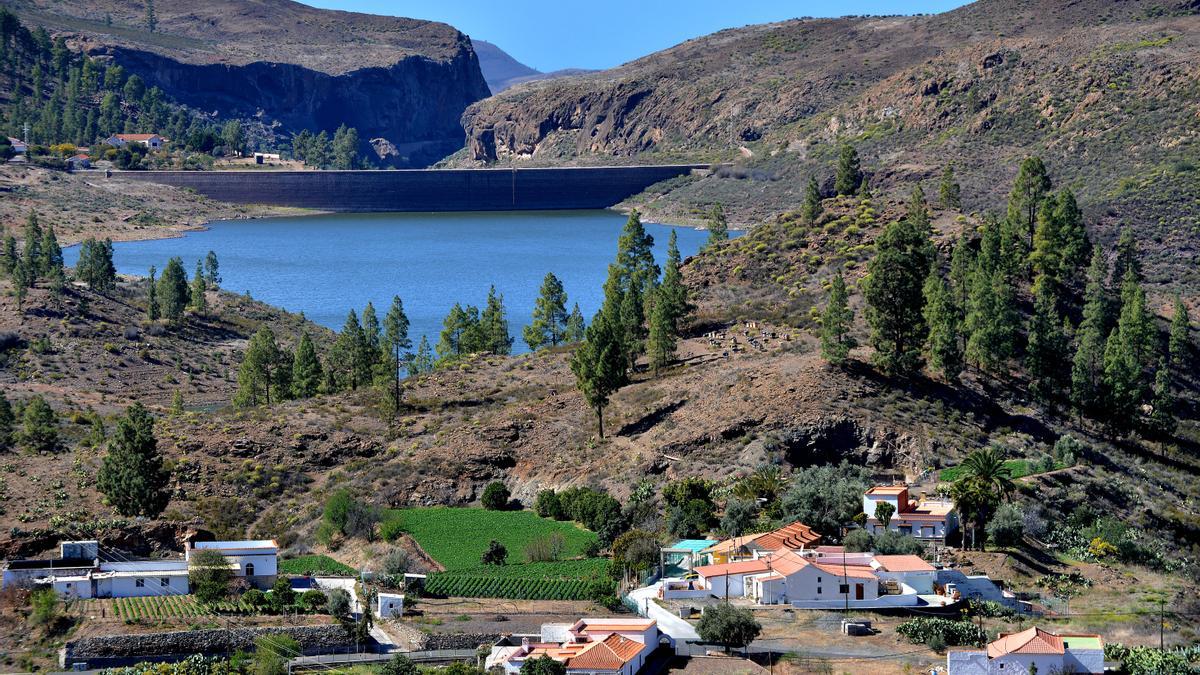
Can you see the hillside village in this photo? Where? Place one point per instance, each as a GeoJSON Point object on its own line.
{"type": "Point", "coordinates": [923, 416]}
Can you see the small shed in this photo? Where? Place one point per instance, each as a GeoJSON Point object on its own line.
{"type": "Point", "coordinates": [389, 605]}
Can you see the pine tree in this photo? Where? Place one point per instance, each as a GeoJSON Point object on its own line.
{"type": "Point", "coordinates": [1047, 343]}
{"type": "Point", "coordinates": [548, 324]}
{"type": "Point", "coordinates": [7, 423]}
{"type": "Point", "coordinates": [33, 248]}
{"type": "Point", "coordinates": [372, 333]}
{"type": "Point", "coordinates": [151, 20]}
{"type": "Point", "coordinates": [1162, 416]}
{"type": "Point", "coordinates": [836, 323]}
{"type": "Point", "coordinates": [1179, 342]}
{"type": "Point", "coordinates": [812, 202]}
{"type": "Point", "coordinates": [962, 260]}
{"type": "Point", "coordinates": [51, 263]}
{"type": "Point", "coordinates": [494, 323]}
{"type": "Point", "coordinates": [1087, 366]}
{"type": "Point", "coordinates": [199, 291]}
{"type": "Point", "coordinates": [849, 173]}
{"type": "Point", "coordinates": [422, 361]}
{"type": "Point", "coordinates": [944, 319]}
{"type": "Point", "coordinates": [177, 403]}
{"type": "Point", "coordinates": [1030, 188]}
{"type": "Point", "coordinates": [661, 341]}
{"type": "Point", "coordinates": [152, 309]}
{"type": "Point", "coordinates": [350, 352]}
{"type": "Point", "coordinates": [1127, 257]}
{"type": "Point", "coordinates": [576, 328]}
{"type": "Point", "coordinates": [173, 291]}
{"type": "Point", "coordinates": [893, 293]}
{"type": "Point", "coordinates": [258, 376]}
{"type": "Point", "coordinates": [632, 320]}
{"type": "Point", "coordinates": [212, 267]}
{"type": "Point", "coordinates": [9, 257]}
{"type": "Point", "coordinates": [132, 476]}
{"type": "Point", "coordinates": [1045, 259]}
{"type": "Point", "coordinates": [949, 190]}
{"type": "Point", "coordinates": [992, 319]}
{"type": "Point", "coordinates": [22, 280]}
{"type": "Point", "coordinates": [307, 373]}
{"type": "Point", "coordinates": [1076, 246]}
{"type": "Point", "coordinates": [673, 293]}
{"type": "Point", "coordinates": [599, 365]}
{"type": "Point", "coordinates": [395, 344]}
{"type": "Point", "coordinates": [1125, 356]}
{"type": "Point", "coordinates": [39, 426]}
{"type": "Point", "coordinates": [718, 226]}
{"type": "Point", "coordinates": [95, 267]}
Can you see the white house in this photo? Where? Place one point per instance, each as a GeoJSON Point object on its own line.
{"type": "Point", "coordinates": [256, 560]}
{"type": "Point", "coordinates": [1017, 652]}
{"type": "Point", "coordinates": [605, 645]}
{"type": "Point", "coordinates": [926, 520]}
{"type": "Point", "coordinates": [19, 146]}
{"type": "Point", "coordinates": [80, 572]}
{"type": "Point", "coordinates": [905, 569]}
{"type": "Point", "coordinates": [151, 141]}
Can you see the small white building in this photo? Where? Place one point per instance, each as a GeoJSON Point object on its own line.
{"type": "Point", "coordinates": [151, 141]}
{"type": "Point", "coordinates": [19, 146]}
{"type": "Point", "coordinates": [1016, 653]}
{"type": "Point", "coordinates": [255, 559]}
{"type": "Point", "coordinates": [389, 605]}
{"type": "Point", "coordinates": [906, 569]}
{"type": "Point", "coordinates": [926, 520]}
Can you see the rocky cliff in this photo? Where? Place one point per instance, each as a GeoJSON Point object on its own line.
{"type": "Point", "coordinates": [1106, 92]}
{"type": "Point", "coordinates": [291, 66]}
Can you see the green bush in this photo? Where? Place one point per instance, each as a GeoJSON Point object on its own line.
{"type": "Point", "coordinates": [950, 631]}
{"type": "Point", "coordinates": [495, 496]}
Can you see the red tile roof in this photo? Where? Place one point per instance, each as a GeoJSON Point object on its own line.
{"type": "Point", "coordinates": [794, 536]}
{"type": "Point", "coordinates": [1030, 641]}
{"type": "Point", "coordinates": [903, 563]}
{"type": "Point", "coordinates": [847, 571]}
{"type": "Point", "coordinates": [740, 567]}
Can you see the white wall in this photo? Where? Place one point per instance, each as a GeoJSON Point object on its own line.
{"type": "Point", "coordinates": [921, 582]}
{"type": "Point", "coordinates": [126, 587]}
{"type": "Point", "coordinates": [389, 605]}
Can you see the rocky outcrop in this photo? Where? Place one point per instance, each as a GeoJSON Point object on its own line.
{"type": "Point", "coordinates": [413, 105]}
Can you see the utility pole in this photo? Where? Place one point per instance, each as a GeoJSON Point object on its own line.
{"type": "Point", "coordinates": [1162, 621]}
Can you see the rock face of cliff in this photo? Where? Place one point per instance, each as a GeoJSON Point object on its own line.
{"type": "Point", "coordinates": [292, 66]}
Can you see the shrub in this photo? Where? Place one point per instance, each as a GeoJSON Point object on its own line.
{"type": "Point", "coordinates": [1007, 526]}
{"type": "Point", "coordinates": [282, 591]}
{"type": "Point", "coordinates": [271, 653]}
{"type": "Point", "coordinates": [543, 665]}
{"type": "Point", "coordinates": [547, 505]}
{"type": "Point", "coordinates": [255, 598]}
{"type": "Point", "coordinates": [948, 631]}
{"type": "Point", "coordinates": [399, 665]}
{"type": "Point", "coordinates": [338, 603]}
{"type": "Point", "coordinates": [209, 576]}
{"type": "Point", "coordinates": [44, 605]}
{"type": "Point", "coordinates": [395, 562]}
{"type": "Point", "coordinates": [858, 541]}
{"type": "Point", "coordinates": [545, 549]}
{"type": "Point", "coordinates": [727, 625]}
{"type": "Point", "coordinates": [894, 543]}
{"type": "Point", "coordinates": [496, 554]}
{"type": "Point", "coordinates": [313, 600]}
{"type": "Point", "coordinates": [495, 496]}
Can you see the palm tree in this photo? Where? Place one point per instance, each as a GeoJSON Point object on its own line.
{"type": "Point", "coordinates": [767, 482]}
{"type": "Point", "coordinates": [985, 481]}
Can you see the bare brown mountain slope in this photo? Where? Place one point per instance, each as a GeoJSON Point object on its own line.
{"type": "Point", "coordinates": [1107, 93]}
{"type": "Point", "coordinates": [288, 66]}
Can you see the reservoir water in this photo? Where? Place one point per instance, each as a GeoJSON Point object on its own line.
{"type": "Point", "coordinates": [325, 265]}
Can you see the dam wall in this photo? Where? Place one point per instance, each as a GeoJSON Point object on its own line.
{"type": "Point", "coordinates": [423, 190]}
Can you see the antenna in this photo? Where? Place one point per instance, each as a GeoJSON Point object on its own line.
{"type": "Point", "coordinates": [26, 130]}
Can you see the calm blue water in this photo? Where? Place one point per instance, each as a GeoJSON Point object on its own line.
{"type": "Point", "coordinates": [325, 265]}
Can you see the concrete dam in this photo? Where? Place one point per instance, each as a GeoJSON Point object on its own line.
{"type": "Point", "coordinates": [509, 189]}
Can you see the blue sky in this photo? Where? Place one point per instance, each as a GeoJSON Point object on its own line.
{"type": "Point", "coordinates": [553, 34]}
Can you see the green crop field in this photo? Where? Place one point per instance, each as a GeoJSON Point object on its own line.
{"type": "Point", "coordinates": [314, 564]}
{"type": "Point", "coordinates": [457, 537]}
{"type": "Point", "coordinates": [564, 580]}
{"type": "Point", "coordinates": [1018, 468]}
{"type": "Point", "coordinates": [157, 607]}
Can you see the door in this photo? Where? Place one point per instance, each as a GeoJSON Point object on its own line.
{"type": "Point", "coordinates": [858, 591]}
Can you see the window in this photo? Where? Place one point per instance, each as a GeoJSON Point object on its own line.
{"type": "Point", "coordinates": [843, 588]}
{"type": "Point", "coordinates": [818, 590]}
{"type": "Point", "coordinates": [139, 583]}
{"type": "Point", "coordinates": [164, 582]}
{"type": "Point", "coordinates": [249, 569]}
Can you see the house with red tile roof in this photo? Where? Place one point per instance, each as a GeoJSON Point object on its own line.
{"type": "Point", "coordinates": [1031, 648]}
{"type": "Point", "coordinates": [616, 646]}
{"type": "Point", "coordinates": [929, 520]}
{"type": "Point", "coordinates": [792, 537]}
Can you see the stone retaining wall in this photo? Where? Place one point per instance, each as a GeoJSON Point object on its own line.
{"type": "Point", "coordinates": [312, 639]}
{"type": "Point", "coordinates": [459, 641]}
{"type": "Point", "coordinates": [432, 190]}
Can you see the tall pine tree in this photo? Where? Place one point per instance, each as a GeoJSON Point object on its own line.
{"type": "Point", "coordinates": [1047, 343]}
{"type": "Point", "coordinates": [307, 373]}
{"type": "Point", "coordinates": [836, 323]}
{"type": "Point", "coordinates": [848, 176]}
{"type": "Point", "coordinates": [1087, 365]}
{"type": "Point", "coordinates": [812, 202]}
{"type": "Point", "coordinates": [894, 291]}
{"type": "Point", "coordinates": [132, 476]}
{"type": "Point", "coordinates": [395, 344]}
{"type": "Point", "coordinates": [494, 322]}
{"type": "Point", "coordinates": [718, 225]}
{"type": "Point", "coordinates": [945, 325]}
{"type": "Point", "coordinates": [1179, 341]}
{"type": "Point", "coordinates": [600, 366]}
{"type": "Point", "coordinates": [548, 324]}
